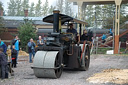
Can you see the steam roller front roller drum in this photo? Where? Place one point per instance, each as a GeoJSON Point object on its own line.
{"type": "Point", "coordinates": [85, 58]}
{"type": "Point", "coordinates": [47, 64]}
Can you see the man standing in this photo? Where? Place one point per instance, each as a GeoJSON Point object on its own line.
{"type": "Point", "coordinates": [40, 42]}
{"type": "Point", "coordinates": [31, 49]}
{"type": "Point", "coordinates": [16, 43]}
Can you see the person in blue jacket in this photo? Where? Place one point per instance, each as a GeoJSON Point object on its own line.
{"type": "Point", "coordinates": [31, 49]}
{"type": "Point", "coordinates": [103, 38]}
{"type": "Point", "coordinates": [110, 32]}
{"type": "Point", "coordinates": [16, 43]}
{"type": "Point", "coordinates": [3, 46]}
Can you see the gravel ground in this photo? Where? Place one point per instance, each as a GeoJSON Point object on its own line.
{"type": "Point", "coordinates": [24, 74]}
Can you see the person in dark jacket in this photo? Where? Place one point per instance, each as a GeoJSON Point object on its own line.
{"type": "Point", "coordinates": [110, 32]}
{"type": "Point", "coordinates": [84, 36]}
{"type": "Point", "coordinates": [16, 42]}
{"type": "Point", "coordinates": [40, 42]}
{"type": "Point", "coordinates": [90, 35]}
{"type": "Point", "coordinates": [3, 64]}
{"type": "Point", "coordinates": [31, 49]}
{"type": "Point", "coordinates": [3, 46]}
{"type": "Point", "coordinates": [104, 38]}
{"type": "Point", "coordinates": [71, 29]}
{"type": "Point", "coordinates": [13, 55]}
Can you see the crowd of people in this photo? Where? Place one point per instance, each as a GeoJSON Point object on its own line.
{"type": "Point", "coordinates": [4, 68]}
{"type": "Point", "coordinates": [15, 47]}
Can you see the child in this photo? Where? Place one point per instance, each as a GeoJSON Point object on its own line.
{"type": "Point", "coordinates": [13, 55]}
{"type": "Point", "coordinates": [3, 64]}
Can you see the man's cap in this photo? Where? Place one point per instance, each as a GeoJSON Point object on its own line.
{"type": "Point", "coordinates": [70, 24]}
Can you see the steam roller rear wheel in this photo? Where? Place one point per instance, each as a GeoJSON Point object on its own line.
{"type": "Point", "coordinates": [47, 64]}
{"type": "Point", "coordinates": [85, 59]}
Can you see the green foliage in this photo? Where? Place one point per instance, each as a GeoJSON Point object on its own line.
{"type": "Point", "coordinates": [38, 9]}
{"type": "Point", "coordinates": [16, 7]}
{"type": "Point", "coordinates": [67, 8]}
{"type": "Point", "coordinates": [60, 5]}
{"type": "Point", "coordinates": [2, 29]}
{"type": "Point", "coordinates": [103, 50]}
{"type": "Point", "coordinates": [50, 11]}
{"type": "Point", "coordinates": [45, 8]}
{"type": "Point", "coordinates": [90, 16]}
{"type": "Point", "coordinates": [19, 12]}
{"type": "Point", "coordinates": [1, 5]}
{"type": "Point", "coordinates": [26, 31]}
{"type": "Point", "coordinates": [12, 8]}
{"type": "Point", "coordinates": [32, 9]}
{"type": "Point", "coordinates": [122, 20]}
{"type": "Point", "coordinates": [24, 5]}
{"type": "Point", "coordinates": [104, 15]}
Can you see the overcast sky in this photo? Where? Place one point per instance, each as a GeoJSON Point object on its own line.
{"type": "Point", "coordinates": [51, 2]}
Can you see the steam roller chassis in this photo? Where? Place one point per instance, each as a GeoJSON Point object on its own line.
{"type": "Point", "coordinates": [60, 51]}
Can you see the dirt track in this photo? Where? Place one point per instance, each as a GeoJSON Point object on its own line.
{"type": "Point", "coordinates": [24, 74]}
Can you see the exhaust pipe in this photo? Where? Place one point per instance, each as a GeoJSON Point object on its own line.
{"type": "Point", "coordinates": [56, 21]}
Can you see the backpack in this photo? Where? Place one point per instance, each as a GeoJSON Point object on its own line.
{"type": "Point", "coordinates": [13, 42]}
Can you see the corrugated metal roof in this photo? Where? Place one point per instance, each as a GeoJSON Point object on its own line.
{"type": "Point", "coordinates": [15, 21]}
{"type": "Point", "coordinates": [22, 18]}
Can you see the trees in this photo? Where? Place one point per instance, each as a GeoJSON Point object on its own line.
{"type": "Point", "coordinates": [32, 9]}
{"type": "Point", "coordinates": [50, 11]}
{"type": "Point", "coordinates": [90, 15]}
{"type": "Point", "coordinates": [1, 20]}
{"type": "Point", "coordinates": [104, 15]}
{"type": "Point", "coordinates": [60, 6]}
{"type": "Point", "coordinates": [26, 31]}
{"type": "Point", "coordinates": [18, 8]}
{"type": "Point", "coordinates": [24, 5]}
{"type": "Point", "coordinates": [12, 8]}
{"type": "Point", "coordinates": [38, 9]}
{"type": "Point", "coordinates": [67, 8]}
{"type": "Point", "coordinates": [45, 8]}
{"type": "Point", "coordinates": [1, 5]}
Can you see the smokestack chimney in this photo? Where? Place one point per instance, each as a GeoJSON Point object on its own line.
{"type": "Point", "coordinates": [25, 12]}
{"type": "Point", "coordinates": [56, 21]}
{"type": "Point", "coordinates": [1, 12]}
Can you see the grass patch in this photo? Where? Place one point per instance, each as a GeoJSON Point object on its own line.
{"type": "Point", "coordinates": [104, 50]}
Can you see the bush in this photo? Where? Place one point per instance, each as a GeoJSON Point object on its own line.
{"type": "Point", "coordinates": [26, 31]}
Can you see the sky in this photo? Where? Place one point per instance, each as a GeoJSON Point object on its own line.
{"type": "Point", "coordinates": [51, 2]}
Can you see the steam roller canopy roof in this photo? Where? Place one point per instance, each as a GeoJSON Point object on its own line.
{"type": "Point", "coordinates": [64, 18]}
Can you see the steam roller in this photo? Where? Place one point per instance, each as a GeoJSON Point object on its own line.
{"type": "Point", "coordinates": [47, 64]}
{"type": "Point", "coordinates": [61, 50]}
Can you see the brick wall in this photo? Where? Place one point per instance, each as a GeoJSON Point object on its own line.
{"type": "Point", "coordinates": [8, 36]}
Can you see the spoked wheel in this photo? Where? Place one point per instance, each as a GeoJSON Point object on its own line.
{"type": "Point", "coordinates": [85, 60]}
{"type": "Point", "coordinates": [58, 67]}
